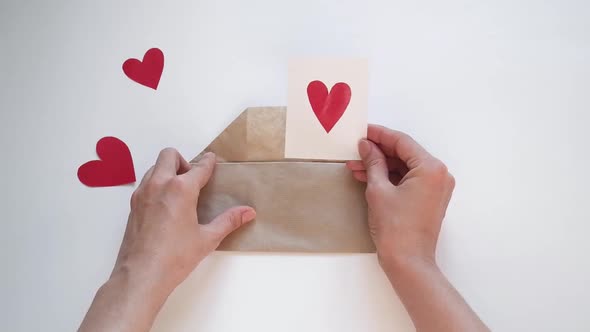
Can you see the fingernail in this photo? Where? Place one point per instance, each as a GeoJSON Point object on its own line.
{"type": "Point", "coordinates": [248, 215]}
{"type": "Point", "coordinates": [207, 155]}
{"type": "Point", "coordinates": [364, 148]}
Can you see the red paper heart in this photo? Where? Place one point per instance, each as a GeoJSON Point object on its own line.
{"type": "Point", "coordinates": [328, 107]}
{"type": "Point", "coordinates": [114, 168]}
{"type": "Point", "coordinates": [148, 71]}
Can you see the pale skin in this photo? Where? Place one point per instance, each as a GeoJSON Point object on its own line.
{"type": "Point", "coordinates": [408, 191]}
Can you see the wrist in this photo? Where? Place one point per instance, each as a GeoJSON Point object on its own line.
{"type": "Point", "coordinates": [139, 285]}
{"type": "Point", "coordinates": [401, 264]}
{"type": "Point", "coordinates": [125, 302]}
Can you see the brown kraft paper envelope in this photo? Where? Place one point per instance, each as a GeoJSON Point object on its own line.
{"type": "Point", "coordinates": [301, 206]}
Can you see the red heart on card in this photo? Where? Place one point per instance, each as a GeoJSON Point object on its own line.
{"type": "Point", "coordinates": [114, 168]}
{"type": "Point", "coordinates": [148, 71]}
{"type": "Point", "coordinates": [328, 107]}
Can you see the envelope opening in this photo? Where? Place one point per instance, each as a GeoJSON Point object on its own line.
{"type": "Point", "coordinates": [296, 161]}
{"type": "Point", "coordinates": [301, 205]}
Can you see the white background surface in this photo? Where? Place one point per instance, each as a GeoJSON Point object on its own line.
{"type": "Point", "coordinates": [499, 90]}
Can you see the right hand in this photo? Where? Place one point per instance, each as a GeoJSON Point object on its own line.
{"type": "Point", "coordinates": [408, 191]}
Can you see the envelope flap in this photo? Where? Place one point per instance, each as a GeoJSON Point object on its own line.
{"type": "Point", "coordinates": [258, 134]}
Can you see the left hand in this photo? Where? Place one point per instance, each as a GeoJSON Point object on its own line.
{"type": "Point", "coordinates": [163, 241]}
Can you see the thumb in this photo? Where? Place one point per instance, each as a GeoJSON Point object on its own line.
{"type": "Point", "coordinates": [229, 221]}
{"type": "Point", "coordinates": [374, 161]}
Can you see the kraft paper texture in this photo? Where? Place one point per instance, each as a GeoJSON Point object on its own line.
{"type": "Point", "coordinates": [302, 206]}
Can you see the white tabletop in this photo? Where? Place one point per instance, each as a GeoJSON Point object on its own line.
{"type": "Point", "coordinates": [499, 90]}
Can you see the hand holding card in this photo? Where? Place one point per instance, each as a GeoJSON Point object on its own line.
{"type": "Point", "coordinates": [327, 108]}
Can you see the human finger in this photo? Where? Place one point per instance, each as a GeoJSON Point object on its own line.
{"type": "Point", "coordinates": [169, 163]}
{"type": "Point", "coordinates": [374, 161]}
{"type": "Point", "coordinates": [398, 144]}
{"type": "Point", "coordinates": [201, 171]}
{"type": "Point", "coordinates": [229, 221]}
{"type": "Point", "coordinates": [146, 176]}
{"type": "Point", "coordinates": [394, 177]}
{"type": "Point", "coordinates": [393, 164]}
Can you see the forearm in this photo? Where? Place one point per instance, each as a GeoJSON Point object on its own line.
{"type": "Point", "coordinates": [430, 299]}
{"type": "Point", "coordinates": [124, 303]}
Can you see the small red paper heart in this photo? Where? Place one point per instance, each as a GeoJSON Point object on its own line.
{"type": "Point", "coordinates": [328, 107]}
{"type": "Point", "coordinates": [114, 168]}
{"type": "Point", "coordinates": [148, 71]}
